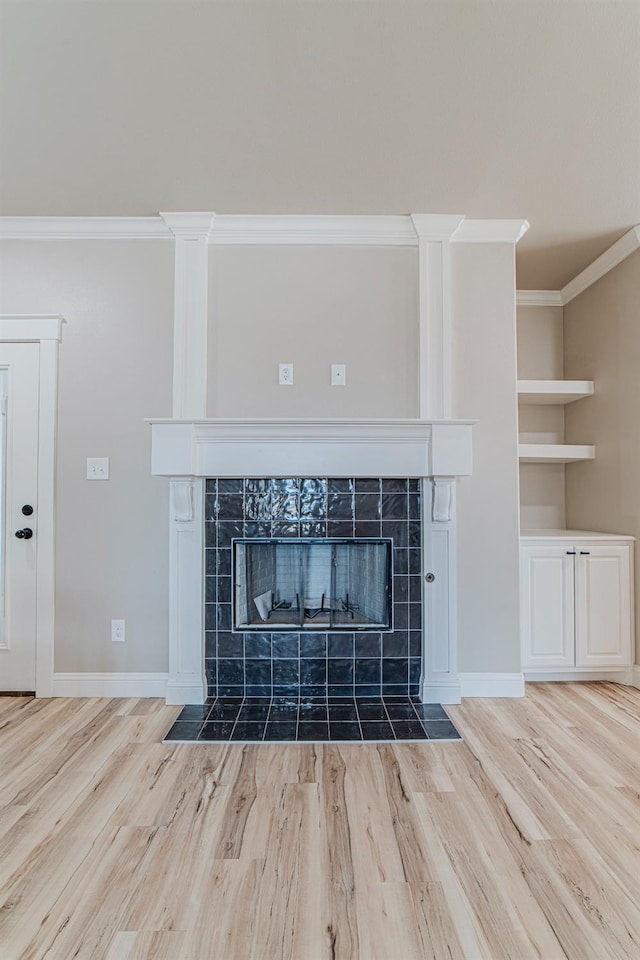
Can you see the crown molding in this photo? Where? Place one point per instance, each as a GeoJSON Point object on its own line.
{"type": "Point", "coordinates": [83, 228]}
{"type": "Point", "coordinates": [620, 250]}
{"type": "Point", "coordinates": [189, 226]}
{"type": "Point", "coordinates": [490, 231]}
{"type": "Point", "coordinates": [539, 298]}
{"type": "Point", "coordinates": [319, 230]}
{"type": "Point", "coordinates": [230, 229]}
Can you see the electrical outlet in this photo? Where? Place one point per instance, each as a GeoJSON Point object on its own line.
{"type": "Point", "coordinates": [97, 468]}
{"type": "Point", "coordinates": [338, 374]}
{"type": "Point", "coordinates": [285, 374]}
{"type": "Point", "coordinates": [117, 631]}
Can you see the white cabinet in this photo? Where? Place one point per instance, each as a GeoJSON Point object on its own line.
{"type": "Point", "coordinates": [575, 602]}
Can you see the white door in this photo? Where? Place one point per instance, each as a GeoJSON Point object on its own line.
{"type": "Point", "coordinates": [603, 606]}
{"type": "Point", "coordinates": [19, 389]}
{"type": "Point", "coordinates": [547, 606]}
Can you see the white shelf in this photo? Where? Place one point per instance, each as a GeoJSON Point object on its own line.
{"type": "Point", "coordinates": [555, 452]}
{"type": "Point", "coordinates": [553, 391]}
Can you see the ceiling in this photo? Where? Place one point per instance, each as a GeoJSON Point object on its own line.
{"type": "Point", "coordinates": [489, 108]}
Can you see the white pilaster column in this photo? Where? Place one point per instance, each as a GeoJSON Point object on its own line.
{"type": "Point", "coordinates": [434, 233]}
{"type": "Point", "coordinates": [187, 681]}
{"type": "Point", "coordinates": [440, 682]}
{"type": "Point", "coordinates": [440, 671]}
{"type": "Point", "coordinates": [191, 231]}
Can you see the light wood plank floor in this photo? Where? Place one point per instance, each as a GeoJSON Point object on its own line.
{"type": "Point", "coordinates": [522, 842]}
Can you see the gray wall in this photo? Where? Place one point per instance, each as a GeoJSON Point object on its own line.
{"type": "Point", "coordinates": [602, 343]}
{"type": "Point", "coordinates": [483, 277]}
{"type": "Point", "coordinates": [313, 306]}
{"type": "Point", "coordinates": [115, 370]}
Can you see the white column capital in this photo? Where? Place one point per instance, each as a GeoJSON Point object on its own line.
{"type": "Point", "coordinates": [435, 226]}
{"type": "Point", "coordinates": [189, 226]}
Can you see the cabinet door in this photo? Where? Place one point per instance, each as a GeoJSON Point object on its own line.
{"type": "Point", "coordinates": [547, 606]}
{"type": "Point", "coordinates": [603, 606]}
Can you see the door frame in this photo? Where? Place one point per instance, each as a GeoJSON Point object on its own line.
{"type": "Point", "coordinates": [46, 331]}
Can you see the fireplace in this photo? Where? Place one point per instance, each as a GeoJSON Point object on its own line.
{"type": "Point", "coordinates": [311, 480]}
{"type": "Point", "coordinates": [311, 585]}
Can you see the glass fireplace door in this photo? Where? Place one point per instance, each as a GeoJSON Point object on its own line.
{"type": "Point", "coordinates": [332, 585]}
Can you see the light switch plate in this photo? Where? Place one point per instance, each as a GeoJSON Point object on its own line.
{"type": "Point", "coordinates": [97, 468]}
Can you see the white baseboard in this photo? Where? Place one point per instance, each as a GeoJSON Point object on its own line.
{"type": "Point", "coordinates": [635, 677]}
{"type": "Point", "coordinates": [473, 685]}
{"type": "Point", "coordinates": [441, 691]}
{"type": "Point", "coordinates": [558, 676]}
{"type": "Point", "coordinates": [109, 684]}
{"type": "Point", "coordinates": [491, 684]}
{"type": "Point", "coordinates": [185, 691]}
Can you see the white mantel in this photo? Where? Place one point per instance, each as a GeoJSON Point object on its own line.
{"type": "Point", "coordinates": [305, 447]}
{"type": "Point", "coordinates": [188, 451]}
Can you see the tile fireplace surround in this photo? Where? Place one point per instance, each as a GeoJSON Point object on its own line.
{"type": "Point", "coordinates": [313, 663]}
{"type": "Point", "coordinates": [343, 478]}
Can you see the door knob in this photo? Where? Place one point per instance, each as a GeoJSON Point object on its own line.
{"type": "Point", "coordinates": [25, 534]}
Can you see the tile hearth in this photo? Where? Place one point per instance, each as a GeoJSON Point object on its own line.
{"type": "Point", "coordinates": [286, 720]}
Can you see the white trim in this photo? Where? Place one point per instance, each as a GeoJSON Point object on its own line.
{"type": "Point", "coordinates": [311, 448]}
{"type": "Point", "coordinates": [434, 305]}
{"type": "Point", "coordinates": [83, 228]}
{"type": "Point", "coordinates": [321, 230]}
{"type": "Point", "coordinates": [46, 549]}
{"type": "Point", "coordinates": [182, 691]}
{"type": "Point", "coordinates": [490, 231]}
{"type": "Point", "coordinates": [539, 298]}
{"type": "Point", "coordinates": [186, 593]}
{"type": "Point", "coordinates": [190, 318]}
{"type": "Point", "coordinates": [439, 596]}
{"type": "Point", "coordinates": [232, 229]}
{"type": "Point", "coordinates": [189, 226]}
{"type": "Point", "coordinates": [620, 250]}
{"type": "Point", "coordinates": [109, 685]}
{"type": "Point", "coordinates": [28, 328]}
{"type": "Point", "coordinates": [441, 691]}
{"type": "Point", "coordinates": [570, 674]}
{"type": "Point", "coordinates": [491, 684]}
{"type": "Point", "coordinates": [47, 331]}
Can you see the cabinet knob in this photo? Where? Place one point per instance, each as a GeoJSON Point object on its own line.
{"type": "Point", "coordinates": [571, 553]}
{"type": "Point", "coordinates": [585, 553]}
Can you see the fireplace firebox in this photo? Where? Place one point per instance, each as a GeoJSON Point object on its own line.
{"type": "Point", "coordinates": [285, 584]}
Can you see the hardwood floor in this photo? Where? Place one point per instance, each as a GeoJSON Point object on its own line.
{"type": "Point", "coordinates": [522, 842]}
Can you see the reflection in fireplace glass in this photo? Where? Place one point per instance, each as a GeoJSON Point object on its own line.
{"type": "Point", "coordinates": [312, 585]}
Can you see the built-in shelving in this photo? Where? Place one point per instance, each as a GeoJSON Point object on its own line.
{"type": "Point", "coordinates": [555, 452]}
{"type": "Point", "coordinates": [553, 391]}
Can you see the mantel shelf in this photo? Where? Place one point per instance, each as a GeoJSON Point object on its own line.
{"type": "Point", "coordinates": [555, 452]}
{"type": "Point", "coordinates": [311, 448]}
{"type": "Point", "coordinates": [553, 391]}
